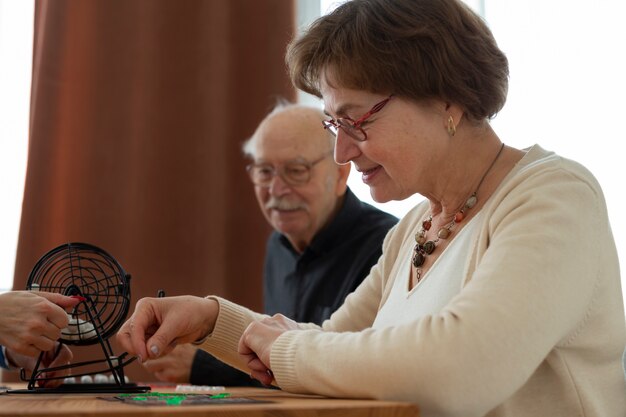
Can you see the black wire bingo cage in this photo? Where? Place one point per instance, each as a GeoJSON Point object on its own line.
{"type": "Point", "coordinates": [80, 269]}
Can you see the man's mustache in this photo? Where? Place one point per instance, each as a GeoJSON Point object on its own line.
{"type": "Point", "coordinates": [284, 204]}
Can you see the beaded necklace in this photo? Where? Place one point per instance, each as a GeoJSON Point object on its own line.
{"type": "Point", "coordinates": [423, 248]}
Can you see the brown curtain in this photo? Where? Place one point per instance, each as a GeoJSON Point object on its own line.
{"type": "Point", "coordinates": [138, 112]}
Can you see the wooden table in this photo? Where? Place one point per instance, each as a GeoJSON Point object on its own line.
{"type": "Point", "coordinates": [281, 404]}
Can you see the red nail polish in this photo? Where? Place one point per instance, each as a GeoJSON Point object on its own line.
{"type": "Point", "coordinates": [78, 297]}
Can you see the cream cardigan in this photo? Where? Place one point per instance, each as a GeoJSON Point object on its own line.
{"type": "Point", "coordinates": [537, 330]}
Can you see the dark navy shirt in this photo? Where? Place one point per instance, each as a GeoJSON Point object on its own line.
{"type": "Point", "coordinates": [310, 286]}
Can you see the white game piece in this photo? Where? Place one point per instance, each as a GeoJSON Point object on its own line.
{"type": "Point", "coordinates": [198, 388]}
{"type": "Point", "coordinates": [86, 379]}
{"type": "Point", "coordinates": [69, 380]}
{"type": "Point", "coordinates": [34, 286]}
{"type": "Point", "coordinates": [112, 379]}
{"type": "Point", "coordinates": [78, 329]}
{"type": "Point", "coordinates": [100, 379]}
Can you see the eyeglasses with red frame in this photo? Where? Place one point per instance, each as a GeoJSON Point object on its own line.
{"type": "Point", "coordinates": [351, 127]}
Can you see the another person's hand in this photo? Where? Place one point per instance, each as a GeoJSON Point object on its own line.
{"type": "Point", "coordinates": [175, 366]}
{"type": "Point", "coordinates": [159, 324]}
{"type": "Point", "coordinates": [255, 345]}
{"type": "Point", "coordinates": [50, 359]}
{"type": "Point", "coordinates": [32, 322]}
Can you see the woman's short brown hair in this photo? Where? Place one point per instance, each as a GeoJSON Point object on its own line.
{"type": "Point", "coordinates": [418, 49]}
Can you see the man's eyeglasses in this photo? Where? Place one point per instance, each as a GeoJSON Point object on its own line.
{"type": "Point", "coordinates": [293, 173]}
{"type": "Point", "coordinates": [351, 127]}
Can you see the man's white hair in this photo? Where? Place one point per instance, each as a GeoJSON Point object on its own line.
{"type": "Point", "coordinates": [282, 104]}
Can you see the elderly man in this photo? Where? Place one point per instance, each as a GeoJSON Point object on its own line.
{"type": "Point", "coordinates": [324, 243]}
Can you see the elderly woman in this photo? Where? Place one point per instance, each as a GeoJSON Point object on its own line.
{"type": "Point", "coordinates": [499, 295]}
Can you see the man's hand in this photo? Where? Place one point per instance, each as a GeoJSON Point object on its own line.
{"type": "Point", "coordinates": [255, 345]}
{"type": "Point", "coordinates": [175, 366]}
{"type": "Point", "coordinates": [31, 322]}
{"type": "Point", "coordinates": [159, 324]}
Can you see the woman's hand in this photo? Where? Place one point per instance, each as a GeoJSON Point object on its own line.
{"type": "Point", "coordinates": [50, 359]}
{"type": "Point", "coordinates": [159, 324]}
{"type": "Point", "coordinates": [255, 345]}
{"type": "Point", "coordinates": [31, 322]}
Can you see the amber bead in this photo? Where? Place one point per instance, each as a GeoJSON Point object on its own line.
{"type": "Point", "coordinates": [443, 233]}
{"type": "Point", "coordinates": [458, 218]}
{"type": "Point", "coordinates": [426, 224]}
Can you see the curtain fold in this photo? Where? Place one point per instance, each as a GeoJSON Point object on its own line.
{"type": "Point", "coordinates": [138, 112]}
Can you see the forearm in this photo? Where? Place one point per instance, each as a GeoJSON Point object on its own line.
{"type": "Point", "coordinates": [231, 322]}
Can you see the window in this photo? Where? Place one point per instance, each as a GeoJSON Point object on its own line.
{"type": "Point", "coordinates": [16, 51]}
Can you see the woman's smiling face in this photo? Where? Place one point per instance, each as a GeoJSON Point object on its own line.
{"type": "Point", "coordinates": [405, 141]}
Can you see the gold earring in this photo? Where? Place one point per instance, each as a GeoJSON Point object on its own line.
{"type": "Point", "coordinates": [451, 126]}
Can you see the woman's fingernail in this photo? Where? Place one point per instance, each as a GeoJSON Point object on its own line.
{"type": "Point", "coordinates": [139, 359]}
{"type": "Point", "coordinates": [154, 349]}
{"type": "Point", "coordinates": [78, 297]}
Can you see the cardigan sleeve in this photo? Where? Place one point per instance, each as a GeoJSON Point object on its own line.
{"type": "Point", "coordinates": [530, 288]}
{"type": "Point", "coordinates": [231, 322]}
